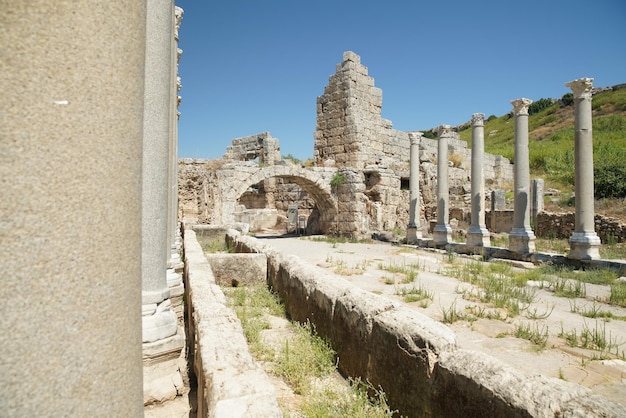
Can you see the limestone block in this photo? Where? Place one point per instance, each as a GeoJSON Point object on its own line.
{"type": "Point", "coordinates": [472, 381]}
{"type": "Point", "coordinates": [238, 269]}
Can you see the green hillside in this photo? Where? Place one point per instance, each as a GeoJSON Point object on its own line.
{"type": "Point", "coordinates": [551, 141]}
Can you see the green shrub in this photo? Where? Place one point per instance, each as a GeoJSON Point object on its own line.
{"type": "Point", "coordinates": [539, 105]}
{"type": "Point", "coordinates": [567, 99]}
{"type": "Point", "coordinates": [609, 172]}
{"type": "Point", "coordinates": [337, 180]}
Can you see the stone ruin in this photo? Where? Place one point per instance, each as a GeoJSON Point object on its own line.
{"type": "Point", "coordinates": [351, 141]}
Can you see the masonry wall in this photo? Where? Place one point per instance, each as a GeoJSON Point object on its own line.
{"type": "Point", "coordinates": [413, 358]}
{"type": "Point", "coordinates": [561, 225]}
{"type": "Point", "coordinates": [230, 382]}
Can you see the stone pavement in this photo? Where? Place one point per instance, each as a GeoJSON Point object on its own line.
{"type": "Point", "coordinates": [361, 261]}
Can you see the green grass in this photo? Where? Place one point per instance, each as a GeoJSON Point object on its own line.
{"type": "Point", "coordinates": [303, 357]}
{"type": "Point", "coordinates": [415, 293]}
{"type": "Point", "coordinates": [534, 334]}
{"type": "Point", "coordinates": [213, 245]}
{"type": "Point", "coordinates": [354, 404]}
{"type": "Point", "coordinates": [408, 272]}
{"type": "Point", "coordinates": [596, 339]}
{"type": "Point", "coordinates": [551, 145]}
{"type": "Point", "coordinates": [303, 360]}
{"type": "Point", "coordinates": [495, 284]}
{"type": "Point", "coordinates": [618, 294]}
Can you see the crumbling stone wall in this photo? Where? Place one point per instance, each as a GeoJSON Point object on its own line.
{"type": "Point", "coordinates": [561, 225]}
{"type": "Point", "coordinates": [261, 146]}
{"type": "Point", "coordinates": [350, 133]}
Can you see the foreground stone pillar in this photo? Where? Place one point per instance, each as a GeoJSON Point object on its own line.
{"type": "Point", "coordinates": [159, 321]}
{"type": "Point", "coordinates": [70, 163]}
{"type": "Point", "coordinates": [414, 230]}
{"type": "Point", "coordinates": [442, 234]}
{"type": "Point", "coordinates": [521, 237]}
{"type": "Point", "coordinates": [584, 243]}
{"type": "Point", "coordinates": [477, 234]}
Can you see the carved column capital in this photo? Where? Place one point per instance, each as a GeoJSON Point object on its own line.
{"type": "Point", "coordinates": [415, 137]}
{"type": "Point", "coordinates": [178, 13]}
{"type": "Point", "coordinates": [520, 106]}
{"type": "Point", "coordinates": [581, 87]}
{"type": "Point", "coordinates": [478, 119]}
{"type": "Point", "coordinates": [444, 130]}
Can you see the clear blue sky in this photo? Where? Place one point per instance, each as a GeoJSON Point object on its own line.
{"type": "Point", "coordinates": [250, 66]}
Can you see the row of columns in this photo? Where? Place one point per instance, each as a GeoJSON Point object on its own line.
{"type": "Point", "coordinates": [584, 242]}
{"type": "Point", "coordinates": [160, 258]}
{"type": "Point", "coordinates": [88, 154]}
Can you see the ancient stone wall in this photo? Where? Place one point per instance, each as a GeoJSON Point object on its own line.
{"type": "Point", "coordinates": [351, 132]}
{"type": "Point", "coordinates": [261, 146]}
{"type": "Point", "coordinates": [413, 358]}
{"type": "Point", "coordinates": [561, 225]}
{"type": "Point", "coordinates": [220, 192]}
{"type": "Point", "coordinates": [228, 377]}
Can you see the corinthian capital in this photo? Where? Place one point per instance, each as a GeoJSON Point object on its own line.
{"type": "Point", "coordinates": [581, 87]}
{"type": "Point", "coordinates": [415, 137]}
{"type": "Point", "coordinates": [478, 119]}
{"type": "Point", "coordinates": [444, 130]}
{"type": "Point", "coordinates": [520, 106]}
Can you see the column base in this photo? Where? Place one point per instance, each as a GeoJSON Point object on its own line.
{"type": "Point", "coordinates": [413, 233]}
{"type": "Point", "coordinates": [522, 240]}
{"type": "Point", "coordinates": [158, 321]}
{"type": "Point", "coordinates": [442, 234]}
{"type": "Point", "coordinates": [584, 246]}
{"type": "Point", "coordinates": [164, 349]}
{"type": "Point", "coordinates": [478, 236]}
{"type": "Point", "coordinates": [175, 262]}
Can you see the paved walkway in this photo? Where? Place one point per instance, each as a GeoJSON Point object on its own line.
{"type": "Point", "coordinates": [359, 264]}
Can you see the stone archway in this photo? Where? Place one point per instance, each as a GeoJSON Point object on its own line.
{"type": "Point", "coordinates": [314, 181]}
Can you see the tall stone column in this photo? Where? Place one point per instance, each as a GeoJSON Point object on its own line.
{"type": "Point", "coordinates": [477, 234]}
{"type": "Point", "coordinates": [70, 163]}
{"type": "Point", "coordinates": [584, 243]}
{"type": "Point", "coordinates": [414, 230]}
{"type": "Point", "coordinates": [159, 321]}
{"type": "Point", "coordinates": [174, 262]}
{"type": "Point", "coordinates": [521, 237]}
{"type": "Point", "coordinates": [442, 234]}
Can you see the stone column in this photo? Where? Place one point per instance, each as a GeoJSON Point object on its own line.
{"type": "Point", "coordinates": [174, 262]}
{"type": "Point", "coordinates": [414, 230]}
{"type": "Point", "coordinates": [521, 237]}
{"type": "Point", "coordinates": [70, 163]}
{"type": "Point", "coordinates": [442, 234]}
{"type": "Point", "coordinates": [159, 321]}
{"type": "Point", "coordinates": [584, 243]}
{"type": "Point", "coordinates": [477, 234]}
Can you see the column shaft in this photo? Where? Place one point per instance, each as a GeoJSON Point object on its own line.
{"type": "Point", "coordinates": [442, 234]}
{"type": "Point", "coordinates": [158, 320]}
{"type": "Point", "coordinates": [477, 234]}
{"type": "Point", "coordinates": [584, 243]}
{"type": "Point", "coordinates": [414, 229]}
{"type": "Point", "coordinates": [521, 238]}
{"type": "Point", "coordinates": [70, 161]}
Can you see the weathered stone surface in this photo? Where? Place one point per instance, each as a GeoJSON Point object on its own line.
{"type": "Point", "coordinates": [238, 269]}
{"type": "Point", "coordinates": [230, 382]}
{"type": "Point", "coordinates": [413, 358]}
{"type": "Point", "coordinates": [472, 381]}
{"type": "Point", "coordinates": [350, 134]}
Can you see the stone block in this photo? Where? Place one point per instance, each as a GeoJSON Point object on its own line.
{"type": "Point", "coordinates": [238, 269]}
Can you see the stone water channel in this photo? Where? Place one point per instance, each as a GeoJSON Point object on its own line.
{"type": "Point", "coordinates": [558, 368]}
